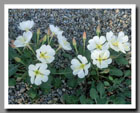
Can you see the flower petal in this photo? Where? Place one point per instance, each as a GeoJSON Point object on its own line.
{"type": "Point", "coordinates": [81, 74]}
{"type": "Point", "coordinates": [96, 39]}
{"type": "Point", "coordinates": [38, 80]}
{"type": "Point", "coordinates": [82, 59]}
{"type": "Point", "coordinates": [102, 39]}
{"type": "Point", "coordinates": [109, 35]}
{"type": "Point", "coordinates": [121, 34]}
{"type": "Point", "coordinates": [75, 62]}
{"type": "Point", "coordinates": [45, 78]}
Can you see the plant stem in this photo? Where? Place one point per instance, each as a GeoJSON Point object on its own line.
{"type": "Point", "coordinates": [22, 63]}
{"type": "Point", "coordinates": [51, 39]}
{"type": "Point", "coordinates": [48, 39]}
{"type": "Point", "coordinates": [76, 50]}
{"type": "Point", "coordinates": [113, 57]}
{"type": "Point", "coordinates": [18, 50]}
{"type": "Point", "coordinates": [84, 46]}
{"type": "Point", "coordinates": [58, 48]}
{"type": "Point", "coordinates": [31, 49]}
{"type": "Point", "coordinates": [97, 73]}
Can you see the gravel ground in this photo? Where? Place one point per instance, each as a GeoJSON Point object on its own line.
{"type": "Point", "coordinates": [73, 22]}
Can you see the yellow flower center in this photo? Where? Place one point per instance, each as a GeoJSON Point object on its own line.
{"type": "Point", "coordinates": [43, 55]}
{"type": "Point", "coordinates": [100, 59]}
{"type": "Point", "coordinates": [26, 29]}
{"type": "Point", "coordinates": [38, 73]}
{"type": "Point", "coordinates": [82, 66]}
{"type": "Point", "coordinates": [115, 43]}
{"type": "Point", "coordinates": [98, 46]}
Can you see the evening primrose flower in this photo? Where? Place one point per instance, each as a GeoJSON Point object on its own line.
{"type": "Point", "coordinates": [64, 43]}
{"type": "Point", "coordinates": [80, 66]}
{"type": "Point", "coordinates": [101, 58]}
{"type": "Point", "coordinates": [45, 54]}
{"type": "Point", "coordinates": [119, 43]}
{"type": "Point", "coordinates": [22, 41]}
{"type": "Point", "coordinates": [38, 73]}
{"type": "Point", "coordinates": [97, 43]}
{"type": "Point", "coordinates": [26, 25]}
{"type": "Point", "coordinates": [55, 30]}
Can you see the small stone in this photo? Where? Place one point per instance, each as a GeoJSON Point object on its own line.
{"type": "Point", "coordinates": [22, 90]}
{"type": "Point", "coordinates": [63, 89]}
{"type": "Point", "coordinates": [117, 11]}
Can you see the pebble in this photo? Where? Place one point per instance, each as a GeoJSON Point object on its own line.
{"type": "Point", "coordinates": [22, 90]}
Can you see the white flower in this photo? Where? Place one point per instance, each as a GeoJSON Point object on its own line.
{"type": "Point", "coordinates": [101, 58]}
{"type": "Point", "coordinates": [26, 25]}
{"type": "Point", "coordinates": [119, 43]}
{"type": "Point", "coordinates": [64, 43]}
{"type": "Point", "coordinates": [80, 66]}
{"type": "Point", "coordinates": [45, 54]}
{"type": "Point", "coordinates": [97, 43]}
{"type": "Point", "coordinates": [55, 30]}
{"type": "Point", "coordinates": [38, 73]}
{"type": "Point", "coordinates": [22, 41]}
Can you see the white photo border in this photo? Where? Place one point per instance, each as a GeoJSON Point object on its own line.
{"type": "Point", "coordinates": [72, 106]}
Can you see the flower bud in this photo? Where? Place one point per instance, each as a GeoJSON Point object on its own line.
{"type": "Point", "coordinates": [38, 31]}
{"type": "Point", "coordinates": [84, 35]}
{"type": "Point", "coordinates": [49, 32]}
{"type": "Point", "coordinates": [17, 59]}
{"type": "Point", "coordinates": [74, 42]}
{"type": "Point", "coordinates": [44, 38]}
{"type": "Point", "coordinates": [12, 44]}
{"type": "Point", "coordinates": [98, 30]}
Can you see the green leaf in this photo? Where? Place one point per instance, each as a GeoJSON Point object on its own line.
{"type": "Point", "coordinates": [12, 82]}
{"type": "Point", "coordinates": [80, 50]}
{"type": "Point", "coordinates": [34, 38]}
{"type": "Point", "coordinates": [128, 82]}
{"type": "Point", "coordinates": [110, 78]}
{"type": "Point", "coordinates": [70, 99]}
{"type": "Point", "coordinates": [118, 81]}
{"type": "Point", "coordinates": [93, 84]}
{"type": "Point", "coordinates": [88, 54]}
{"type": "Point", "coordinates": [101, 100]}
{"type": "Point", "coordinates": [127, 73]}
{"type": "Point", "coordinates": [119, 100]}
{"type": "Point", "coordinates": [127, 94]}
{"type": "Point", "coordinates": [57, 82]}
{"type": "Point", "coordinates": [106, 83]}
{"type": "Point", "coordinates": [79, 80]}
{"type": "Point", "coordinates": [79, 92]}
{"type": "Point", "coordinates": [100, 88]}
{"type": "Point", "coordinates": [94, 74]}
{"type": "Point", "coordinates": [83, 99]}
{"type": "Point", "coordinates": [53, 70]}
{"type": "Point", "coordinates": [89, 101]}
{"type": "Point", "coordinates": [12, 53]}
{"type": "Point", "coordinates": [72, 83]}
{"type": "Point", "coordinates": [67, 56]}
{"type": "Point", "coordinates": [115, 72]}
{"type": "Point", "coordinates": [32, 93]}
{"type": "Point", "coordinates": [93, 93]}
{"type": "Point", "coordinates": [121, 61]}
{"type": "Point", "coordinates": [12, 69]}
